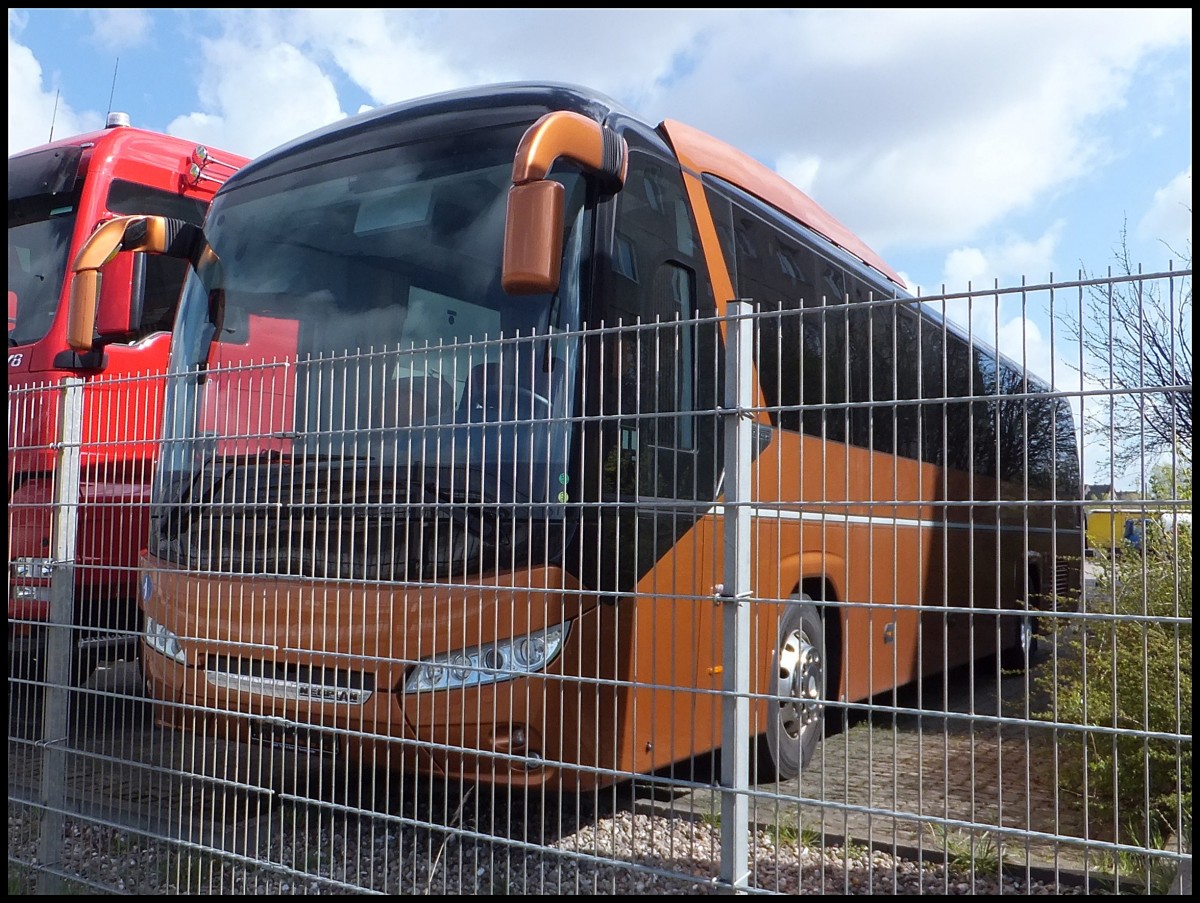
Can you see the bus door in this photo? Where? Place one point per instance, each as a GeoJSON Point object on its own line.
{"type": "Point", "coordinates": [659, 462]}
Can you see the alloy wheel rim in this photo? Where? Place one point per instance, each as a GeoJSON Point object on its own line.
{"type": "Point", "coordinates": [798, 685]}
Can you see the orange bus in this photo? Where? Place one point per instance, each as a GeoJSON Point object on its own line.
{"type": "Point", "coordinates": [466, 517]}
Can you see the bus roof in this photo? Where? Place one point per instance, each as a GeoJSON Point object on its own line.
{"type": "Point", "coordinates": [695, 149]}
{"type": "Point", "coordinates": [703, 153]}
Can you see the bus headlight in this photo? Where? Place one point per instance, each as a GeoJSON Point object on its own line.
{"type": "Point", "coordinates": [490, 663]}
{"type": "Point", "coordinates": [164, 641]}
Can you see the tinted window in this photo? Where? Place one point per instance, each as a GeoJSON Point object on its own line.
{"type": "Point", "coordinates": [839, 355]}
{"type": "Point", "coordinates": [662, 375]}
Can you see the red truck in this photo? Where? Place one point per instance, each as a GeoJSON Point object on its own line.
{"type": "Point", "coordinates": [58, 194]}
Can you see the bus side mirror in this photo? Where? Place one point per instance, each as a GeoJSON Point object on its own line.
{"type": "Point", "coordinates": [100, 248]}
{"type": "Point", "coordinates": [533, 236]}
{"type": "Point", "coordinates": [533, 227]}
{"type": "Point", "coordinates": [117, 309]}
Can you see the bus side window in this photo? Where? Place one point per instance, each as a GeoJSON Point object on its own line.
{"type": "Point", "coordinates": [802, 321]}
{"type": "Point", "coordinates": [882, 369]}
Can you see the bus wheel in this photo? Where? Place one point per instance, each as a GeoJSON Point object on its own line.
{"type": "Point", "coordinates": [1019, 630]}
{"type": "Point", "coordinates": [797, 706]}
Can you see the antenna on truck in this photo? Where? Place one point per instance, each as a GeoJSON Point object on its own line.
{"type": "Point", "coordinates": [113, 89]}
{"type": "Point", "coordinates": [54, 115]}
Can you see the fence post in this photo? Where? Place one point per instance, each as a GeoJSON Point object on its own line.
{"type": "Point", "coordinates": [734, 593]}
{"type": "Point", "coordinates": [56, 711]}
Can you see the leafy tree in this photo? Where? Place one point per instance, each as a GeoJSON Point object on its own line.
{"type": "Point", "coordinates": [1124, 675]}
{"type": "Point", "coordinates": [1172, 480]}
{"type": "Point", "coordinates": [1126, 678]}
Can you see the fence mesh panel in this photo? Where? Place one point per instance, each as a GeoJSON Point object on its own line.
{"type": "Point", "coordinates": [826, 600]}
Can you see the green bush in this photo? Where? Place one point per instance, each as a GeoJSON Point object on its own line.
{"type": "Point", "coordinates": [1131, 670]}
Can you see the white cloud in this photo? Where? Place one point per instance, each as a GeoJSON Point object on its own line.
{"type": "Point", "coordinates": [1021, 340]}
{"type": "Point", "coordinates": [929, 125]}
{"type": "Point", "coordinates": [387, 54]}
{"type": "Point", "coordinates": [1169, 219]}
{"type": "Point", "coordinates": [454, 48]}
{"type": "Point", "coordinates": [1003, 261]}
{"type": "Point", "coordinates": [32, 104]}
{"type": "Point", "coordinates": [290, 96]}
{"type": "Point", "coordinates": [118, 29]}
{"type": "Point", "coordinates": [966, 267]}
{"type": "Point", "coordinates": [801, 171]}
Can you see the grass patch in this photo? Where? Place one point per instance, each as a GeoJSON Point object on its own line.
{"type": "Point", "coordinates": [978, 852]}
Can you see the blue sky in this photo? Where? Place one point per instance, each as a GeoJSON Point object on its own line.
{"type": "Point", "coordinates": [968, 147]}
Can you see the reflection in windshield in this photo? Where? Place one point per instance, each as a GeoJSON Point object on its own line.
{"type": "Point", "coordinates": [356, 331]}
{"type": "Point", "coordinates": [37, 264]}
{"type": "Point", "coordinates": [410, 524]}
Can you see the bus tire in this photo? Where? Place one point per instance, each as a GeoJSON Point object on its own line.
{"type": "Point", "coordinates": [1019, 630]}
{"type": "Point", "coordinates": [797, 705]}
{"type": "Point", "coordinates": [1019, 633]}
{"type": "Point", "coordinates": [29, 664]}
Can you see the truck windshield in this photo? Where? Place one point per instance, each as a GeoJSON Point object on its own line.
{"type": "Point", "coordinates": [43, 200]}
{"type": "Point", "coordinates": [355, 342]}
{"type": "Point", "coordinates": [39, 245]}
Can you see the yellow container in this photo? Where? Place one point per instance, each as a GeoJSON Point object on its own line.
{"type": "Point", "coordinates": [1106, 526]}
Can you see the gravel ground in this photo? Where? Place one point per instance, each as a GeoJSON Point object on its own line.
{"type": "Point", "coordinates": [426, 843]}
{"type": "Point", "coordinates": [480, 850]}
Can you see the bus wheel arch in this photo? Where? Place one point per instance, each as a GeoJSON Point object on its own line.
{"type": "Point", "coordinates": [823, 591]}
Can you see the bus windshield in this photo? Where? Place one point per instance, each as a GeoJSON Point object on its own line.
{"type": "Point", "coordinates": [402, 370]}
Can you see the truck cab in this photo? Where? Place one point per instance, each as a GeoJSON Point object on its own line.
{"type": "Point", "coordinates": [58, 194]}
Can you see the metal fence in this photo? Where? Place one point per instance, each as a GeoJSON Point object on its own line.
{"type": "Point", "coordinates": [774, 602]}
